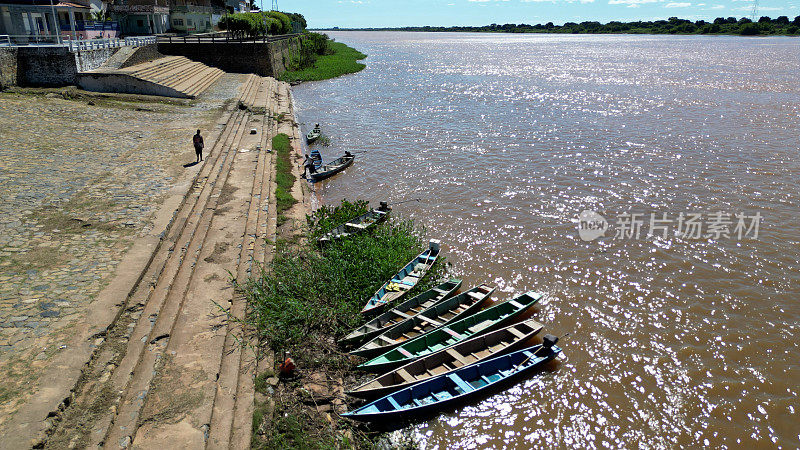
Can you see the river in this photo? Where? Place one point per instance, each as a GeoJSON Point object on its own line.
{"type": "Point", "coordinates": [684, 314]}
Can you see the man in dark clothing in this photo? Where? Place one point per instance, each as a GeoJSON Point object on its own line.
{"type": "Point", "coordinates": [198, 145]}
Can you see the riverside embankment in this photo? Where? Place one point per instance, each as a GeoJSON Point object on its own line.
{"type": "Point", "coordinates": [165, 364]}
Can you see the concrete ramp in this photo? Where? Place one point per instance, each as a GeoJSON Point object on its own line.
{"type": "Point", "coordinates": [171, 76]}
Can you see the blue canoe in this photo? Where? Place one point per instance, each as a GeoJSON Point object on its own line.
{"type": "Point", "coordinates": [444, 390]}
{"type": "Point", "coordinates": [404, 280]}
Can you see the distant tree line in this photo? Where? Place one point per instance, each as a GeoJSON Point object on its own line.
{"type": "Point", "coordinates": [731, 25]}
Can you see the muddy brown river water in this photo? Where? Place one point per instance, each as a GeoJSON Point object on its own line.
{"type": "Point", "coordinates": [684, 314]}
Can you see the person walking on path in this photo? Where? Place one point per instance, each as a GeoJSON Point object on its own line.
{"type": "Point", "coordinates": [198, 146]}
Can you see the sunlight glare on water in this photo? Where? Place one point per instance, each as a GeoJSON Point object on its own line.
{"type": "Point", "coordinates": [507, 138]}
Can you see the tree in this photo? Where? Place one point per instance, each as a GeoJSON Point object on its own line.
{"type": "Point", "coordinates": [797, 21]}
{"type": "Point", "coordinates": [720, 21]}
{"type": "Point", "coordinates": [782, 20]}
{"type": "Point", "coordinates": [764, 19]}
{"type": "Point", "coordinates": [732, 20]}
{"type": "Point", "coordinates": [744, 20]}
{"type": "Point", "coordinates": [749, 29]}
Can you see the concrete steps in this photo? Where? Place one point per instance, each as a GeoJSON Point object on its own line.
{"type": "Point", "coordinates": [172, 76]}
{"type": "Point", "coordinates": [172, 372]}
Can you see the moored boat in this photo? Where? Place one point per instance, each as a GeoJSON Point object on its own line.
{"type": "Point", "coordinates": [481, 322]}
{"type": "Point", "coordinates": [358, 224]}
{"type": "Point", "coordinates": [330, 169]}
{"type": "Point", "coordinates": [450, 310]}
{"type": "Point", "coordinates": [401, 312]}
{"type": "Point", "coordinates": [314, 134]}
{"type": "Point", "coordinates": [443, 390]}
{"type": "Point", "coordinates": [404, 280]}
{"type": "Point", "coordinates": [460, 355]}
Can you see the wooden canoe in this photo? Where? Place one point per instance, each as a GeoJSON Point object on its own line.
{"type": "Point", "coordinates": [404, 280]}
{"type": "Point", "coordinates": [461, 384]}
{"type": "Point", "coordinates": [479, 323]}
{"type": "Point", "coordinates": [468, 352]}
{"type": "Point", "coordinates": [443, 313]}
{"type": "Point", "coordinates": [358, 224]}
{"type": "Point", "coordinates": [332, 168]}
{"type": "Point", "coordinates": [313, 135]}
{"type": "Point", "coordinates": [408, 308]}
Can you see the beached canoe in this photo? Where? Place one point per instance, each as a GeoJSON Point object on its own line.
{"type": "Point", "coordinates": [330, 169]}
{"type": "Point", "coordinates": [459, 385]}
{"type": "Point", "coordinates": [450, 310]}
{"type": "Point", "coordinates": [358, 224]}
{"type": "Point", "coordinates": [401, 312]}
{"type": "Point", "coordinates": [479, 323]}
{"type": "Point", "coordinates": [468, 352]}
{"type": "Point", "coordinates": [314, 134]}
{"type": "Point", "coordinates": [404, 280]}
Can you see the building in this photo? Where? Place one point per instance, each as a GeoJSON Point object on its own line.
{"type": "Point", "coordinates": [141, 17]}
{"type": "Point", "coordinates": [193, 16]}
{"type": "Point", "coordinates": [43, 21]}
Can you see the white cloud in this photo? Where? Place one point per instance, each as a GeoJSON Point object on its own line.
{"type": "Point", "coordinates": [678, 5]}
{"type": "Point", "coordinates": [630, 2]}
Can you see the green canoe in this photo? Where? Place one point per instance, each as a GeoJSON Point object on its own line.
{"type": "Point", "coordinates": [487, 320]}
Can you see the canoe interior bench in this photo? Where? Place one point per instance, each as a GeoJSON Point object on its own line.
{"type": "Point", "coordinates": [460, 384]}
{"type": "Point", "coordinates": [457, 356]}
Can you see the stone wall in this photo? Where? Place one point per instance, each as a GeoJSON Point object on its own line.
{"type": "Point", "coordinates": [56, 66]}
{"type": "Point", "coordinates": [92, 59]}
{"type": "Point", "coordinates": [46, 66]}
{"type": "Point", "coordinates": [265, 59]}
{"type": "Point", "coordinates": [8, 67]}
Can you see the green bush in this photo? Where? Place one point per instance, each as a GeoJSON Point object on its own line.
{"type": "Point", "coordinates": [285, 22]}
{"type": "Point", "coordinates": [242, 25]}
{"type": "Point", "coordinates": [318, 42]}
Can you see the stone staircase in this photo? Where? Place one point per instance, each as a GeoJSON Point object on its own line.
{"type": "Point", "coordinates": [171, 76]}
{"type": "Point", "coordinates": [172, 372]}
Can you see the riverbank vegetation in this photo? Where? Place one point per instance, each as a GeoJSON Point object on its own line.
{"type": "Point", "coordinates": [321, 58]}
{"type": "Point", "coordinates": [284, 178]}
{"type": "Point", "coordinates": [241, 25]}
{"type": "Point", "coordinates": [721, 25]}
{"type": "Point", "coordinates": [307, 299]}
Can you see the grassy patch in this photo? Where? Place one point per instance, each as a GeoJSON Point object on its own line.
{"type": "Point", "coordinates": [341, 60]}
{"type": "Point", "coordinates": [309, 298]}
{"type": "Point", "coordinates": [311, 292]}
{"type": "Point", "coordinates": [284, 177]}
{"type": "Point", "coordinates": [289, 429]}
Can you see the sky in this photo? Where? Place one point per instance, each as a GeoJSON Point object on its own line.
{"type": "Point", "coordinates": [394, 13]}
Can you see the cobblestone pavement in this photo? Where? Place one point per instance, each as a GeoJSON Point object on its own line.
{"type": "Point", "coordinates": [79, 183]}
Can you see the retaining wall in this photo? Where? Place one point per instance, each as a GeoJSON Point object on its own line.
{"type": "Point", "coordinates": [8, 67]}
{"type": "Point", "coordinates": [264, 58]}
{"type": "Point", "coordinates": [56, 66]}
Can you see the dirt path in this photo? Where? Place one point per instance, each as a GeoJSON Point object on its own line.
{"type": "Point", "coordinates": [170, 372]}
